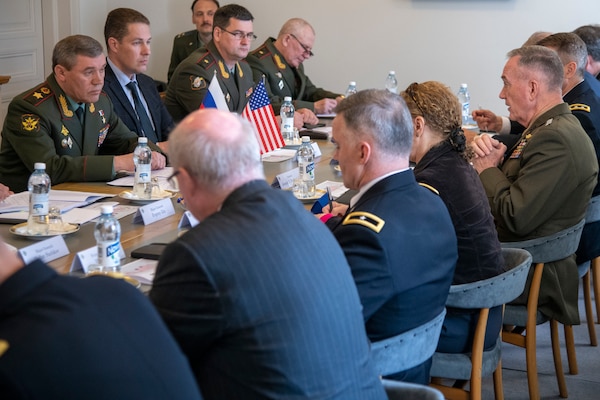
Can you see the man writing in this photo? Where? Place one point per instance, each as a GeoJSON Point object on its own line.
{"type": "Point", "coordinates": [258, 313]}
{"type": "Point", "coordinates": [185, 43]}
{"type": "Point", "coordinates": [134, 95]}
{"type": "Point", "coordinates": [223, 56]}
{"type": "Point", "coordinates": [547, 180]}
{"type": "Point", "coordinates": [280, 61]}
{"type": "Point", "coordinates": [68, 123]}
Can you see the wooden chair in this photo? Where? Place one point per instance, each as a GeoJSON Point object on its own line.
{"type": "Point", "coordinates": [408, 349]}
{"type": "Point", "coordinates": [482, 295]}
{"type": "Point", "coordinates": [396, 390]}
{"type": "Point", "coordinates": [545, 249]}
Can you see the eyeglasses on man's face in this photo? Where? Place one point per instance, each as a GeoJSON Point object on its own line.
{"type": "Point", "coordinates": [304, 47]}
{"type": "Point", "coordinates": [238, 35]}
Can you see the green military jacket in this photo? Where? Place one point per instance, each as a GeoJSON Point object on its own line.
{"type": "Point", "coordinates": [543, 187]}
{"type": "Point", "coordinates": [184, 44]}
{"type": "Point", "coordinates": [191, 78]}
{"type": "Point", "coordinates": [282, 80]}
{"type": "Point", "coordinates": [41, 126]}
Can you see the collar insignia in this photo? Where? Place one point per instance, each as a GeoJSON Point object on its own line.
{"type": "Point", "coordinates": [278, 61]}
{"type": "Point", "coordinates": [224, 72]}
{"type": "Point", "coordinates": [92, 107]}
{"type": "Point", "coordinates": [3, 346]}
{"type": "Point", "coordinates": [65, 108]}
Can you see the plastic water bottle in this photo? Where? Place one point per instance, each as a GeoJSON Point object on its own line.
{"type": "Point", "coordinates": [351, 89]}
{"type": "Point", "coordinates": [464, 98]}
{"type": "Point", "coordinates": [142, 158]}
{"type": "Point", "coordinates": [306, 166]}
{"type": "Point", "coordinates": [287, 119]}
{"type": "Point", "coordinates": [391, 83]}
{"type": "Point", "coordinates": [108, 239]}
{"type": "Point", "coordinates": [39, 191]}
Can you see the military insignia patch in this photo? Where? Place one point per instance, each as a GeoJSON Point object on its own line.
{"type": "Point", "coordinates": [101, 112]}
{"type": "Point", "coordinates": [519, 149]}
{"type": "Point", "coordinates": [65, 108]}
{"type": "Point", "coordinates": [249, 92]}
{"type": "Point", "coordinates": [38, 95]}
{"type": "Point", "coordinates": [45, 90]}
{"type": "Point", "coordinates": [30, 122]}
{"type": "Point", "coordinates": [366, 219]}
{"type": "Point", "coordinates": [281, 85]}
{"type": "Point", "coordinates": [580, 107]}
{"type": "Point", "coordinates": [102, 134]}
{"type": "Point", "coordinates": [92, 107]}
{"type": "Point", "coordinates": [64, 131]}
{"type": "Point", "coordinates": [197, 82]}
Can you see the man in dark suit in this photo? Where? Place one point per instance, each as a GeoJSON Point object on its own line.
{"type": "Point", "coordinates": [545, 183]}
{"type": "Point", "coordinates": [185, 43]}
{"type": "Point", "coordinates": [397, 235]}
{"type": "Point", "coordinates": [223, 59]}
{"type": "Point", "coordinates": [138, 104]}
{"type": "Point", "coordinates": [258, 295]}
{"type": "Point", "coordinates": [280, 61]}
{"type": "Point", "coordinates": [70, 338]}
{"type": "Point", "coordinates": [43, 123]}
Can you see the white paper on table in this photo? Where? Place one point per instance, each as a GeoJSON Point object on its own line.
{"type": "Point", "coordinates": [161, 174]}
{"type": "Point", "coordinates": [143, 270]}
{"type": "Point", "coordinates": [63, 199]}
{"type": "Point", "coordinates": [279, 155]}
{"type": "Point", "coordinates": [337, 188]}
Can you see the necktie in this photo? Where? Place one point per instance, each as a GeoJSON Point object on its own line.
{"type": "Point", "coordinates": [142, 115]}
{"type": "Point", "coordinates": [79, 113]}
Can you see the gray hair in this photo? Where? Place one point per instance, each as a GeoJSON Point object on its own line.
{"type": "Point", "coordinates": [383, 117]}
{"type": "Point", "coordinates": [213, 162]}
{"type": "Point", "coordinates": [294, 26]}
{"type": "Point", "coordinates": [570, 48]}
{"type": "Point", "coordinates": [590, 34]}
{"type": "Point", "coordinates": [66, 51]}
{"type": "Point", "coordinates": [544, 60]}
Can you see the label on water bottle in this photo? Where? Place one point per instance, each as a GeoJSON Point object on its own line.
{"type": "Point", "coordinates": [142, 173]}
{"type": "Point", "coordinates": [39, 204]}
{"type": "Point", "coordinates": [307, 171]}
{"type": "Point", "coordinates": [465, 111]}
{"type": "Point", "coordinates": [108, 254]}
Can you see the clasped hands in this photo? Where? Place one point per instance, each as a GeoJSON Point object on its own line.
{"type": "Point", "coordinates": [489, 152]}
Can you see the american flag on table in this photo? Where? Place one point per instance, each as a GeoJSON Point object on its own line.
{"type": "Point", "coordinates": [260, 114]}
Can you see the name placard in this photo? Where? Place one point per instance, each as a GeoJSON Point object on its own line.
{"type": "Point", "coordinates": [187, 220]}
{"type": "Point", "coordinates": [286, 179]}
{"type": "Point", "coordinates": [88, 257]}
{"type": "Point", "coordinates": [154, 212]}
{"type": "Point", "coordinates": [47, 250]}
{"type": "Point", "coordinates": [316, 149]}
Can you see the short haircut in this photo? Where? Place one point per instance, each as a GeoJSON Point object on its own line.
{"type": "Point", "coordinates": [382, 116]}
{"type": "Point", "coordinates": [66, 50]}
{"type": "Point", "coordinates": [541, 59]}
{"type": "Point", "coordinates": [536, 37]}
{"type": "Point", "coordinates": [294, 26]}
{"type": "Point", "coordinates": [117, 22]}
{"type": "Point", "coordinates": [195, 1]}
{"type": "Point", "coordinates": [590, 34]}
{"type": "Point", "coordinates": [225, 13]}
{"type": "Point", "coordinates": [213, 163]}
{"type": "Point", "coordinates": [570, 48]}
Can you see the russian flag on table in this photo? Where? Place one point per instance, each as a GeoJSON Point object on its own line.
{"type": "Point", "coordinates": [260, 114]}
{"type": "Point", "coordinates": [214, 97]}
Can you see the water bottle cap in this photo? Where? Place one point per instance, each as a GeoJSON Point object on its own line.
{"type": "Point", "coordinates": [392, 72]}
{"type": "Point", "coordinates": [106, 209]}
{"type": "Point", "coordinates": [352, 83]}
{"type": "Point", "coordinates": [305, 139]}
{"type": "Point", "coordinates": [39, 165]}
{"type": "Point", "coordinates": [463, 85]}
{"type": "Point", "coordinates": [287, 98]}
{"type": "Point", "coordinates": [142, 139]}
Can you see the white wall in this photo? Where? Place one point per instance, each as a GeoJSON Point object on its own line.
{"type": "Point", "coordinates": [452, 41]}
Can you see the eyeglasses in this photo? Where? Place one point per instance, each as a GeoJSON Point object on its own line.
{"type": "Point", "coordinates": [411, 91]}
{"type": "Point", "coordinates": [240, 35]}
{"type": "Point", "coordinates": [304, 47]}
{"type": "Point", "coordinates": [172, 181]}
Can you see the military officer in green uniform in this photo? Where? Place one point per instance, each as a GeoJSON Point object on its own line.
{"type": "Point", "coordinates": [222, 58]}
{"type": "Point", "coordinates": [185, 43]}
{"type": "Point", "coordinates": [280, 61]}
{"type": "Point", "coordinates": [44, 124]}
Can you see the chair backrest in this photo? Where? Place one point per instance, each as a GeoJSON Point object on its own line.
{"type": "Point", "coordinates": [408, 349]}
{"type": "Point", "coordinates": [593, 211]}
{"type": "Point", "coordinates": [497, 290]}
{"type": "Point", "coordinates": [397, 390]}
{"type": "Point", "coordinates": [553, 247]}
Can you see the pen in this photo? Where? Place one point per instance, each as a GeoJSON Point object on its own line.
{"type": "Point", "coordinates": [330, 199]}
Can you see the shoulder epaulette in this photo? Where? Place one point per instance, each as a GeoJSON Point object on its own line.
{"type": "Point", "coordinates": [434, 190]}
{"type": "Point", "coordinates": [39, 94]}
{"type": "Point", "coordinates": [262, 52]}
{"type": "Point", "coordinates": [187, 33]}
{"type": "Point", "coordinates": [580, 107]}
{"type": "Point", "coordinates": [206, 60]}
{"type": "Point", "coordinates": [366, 219]}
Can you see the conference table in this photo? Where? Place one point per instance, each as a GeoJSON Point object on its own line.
{"type": "Point", "coordinates": [163, 231]}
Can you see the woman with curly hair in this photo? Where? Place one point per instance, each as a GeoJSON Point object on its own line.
{"type": "Point", "coordinates": [442, 160]}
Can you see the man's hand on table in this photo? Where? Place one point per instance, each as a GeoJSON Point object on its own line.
{"type": "Point", "coordinates": [125, 162]}
{"type": "Point", "coordinates": [489, 152]}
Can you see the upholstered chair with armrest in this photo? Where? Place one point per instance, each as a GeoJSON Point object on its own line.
{"type": "Point", "coordinates": [408, 349]}
{"type": "Point", "coordinates": [545, 249]}
{"type": "Point", "coordinates": [482, 295]}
